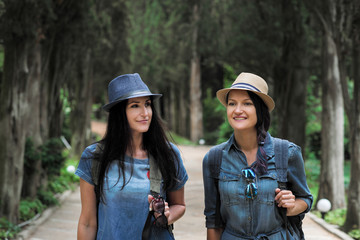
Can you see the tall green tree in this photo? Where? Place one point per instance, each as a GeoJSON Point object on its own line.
{"type": "Point", "coordinates": [352, 107]}
{"type": "Point", "coordinates": [328, 13]}
{"type": "Point", "coordinates": [21, 35]}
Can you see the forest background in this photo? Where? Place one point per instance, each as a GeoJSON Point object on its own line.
{"type": "Point", "coordinates": [58, 56]}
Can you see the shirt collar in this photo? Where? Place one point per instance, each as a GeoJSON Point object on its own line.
{"type": "Point", "coordinates": [268, 145]}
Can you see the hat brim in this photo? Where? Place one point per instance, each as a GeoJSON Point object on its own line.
{"type": "Point", "coordinates": [107, 107]}
{"type": "Point", "coordinates": [221, 95]}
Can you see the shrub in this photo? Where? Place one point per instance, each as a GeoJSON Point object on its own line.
{"type": "Point", "coordinates": [51, 157]}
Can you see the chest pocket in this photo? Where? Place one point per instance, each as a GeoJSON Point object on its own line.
{"type": "Point", "coordinates": [267, 184]}
{"type": "Point", "coordinates": [231, 188]}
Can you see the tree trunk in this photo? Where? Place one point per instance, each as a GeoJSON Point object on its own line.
{"type": "Point", "coordinates": [15, 115]}
{"type": "Point", "coordinates": [291, 77]}
{"type": "Point", "coordinates": [81, 114]}
{"type": "Point", "coordinates": [195, 84]}
{"type": "Point", "coordinates": [31, 179]}
{"type": "Point", "coordinates": [353, 203]}
{"type": "Point", "coordinates": [332, 132]}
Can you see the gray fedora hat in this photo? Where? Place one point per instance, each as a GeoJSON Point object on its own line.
{"type": "Point", "coordinates": [125, 87]}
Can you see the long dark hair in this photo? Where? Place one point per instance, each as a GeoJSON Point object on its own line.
{"type": "Point", "coordinates": [262, 126]}
{"type": "Point", "coordinates": [118, 139]}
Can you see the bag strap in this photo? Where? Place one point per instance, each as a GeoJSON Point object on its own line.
{"type": "Point", "coordinates": [155, 177]}
{"type": "Point", "coordinates": [215, 160]}
{"type": "Point", "coordinates": [281, 149]}
{"type": "Point", "coordinates": [155, 185]}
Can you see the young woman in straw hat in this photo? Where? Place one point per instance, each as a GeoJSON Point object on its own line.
{"type": "Point", "coordinates": [115, 195]}
{"type": "Point", "coordinates": [246, 186]}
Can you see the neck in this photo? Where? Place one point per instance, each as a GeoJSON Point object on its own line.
{"type": "Point", "coordinates": [136, 149]}
{"type": "Point", "coordinates": [246, 140]}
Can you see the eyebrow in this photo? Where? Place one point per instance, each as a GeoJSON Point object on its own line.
{"type": "Point", "coordinates": [233, 99]}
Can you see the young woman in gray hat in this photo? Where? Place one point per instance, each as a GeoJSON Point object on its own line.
{"type": "Point", "coordinates": [242, 195]}
{"type": "Point", "coordinates": [114, 172]}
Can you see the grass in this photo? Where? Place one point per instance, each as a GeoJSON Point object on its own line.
{"type": "Point", "coordinates": [335, 217]}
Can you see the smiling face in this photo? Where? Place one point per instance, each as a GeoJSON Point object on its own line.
{"type": "Point", "coordinates": [241, 112]}
{"type": "Point", "coordinates": [139, 114]}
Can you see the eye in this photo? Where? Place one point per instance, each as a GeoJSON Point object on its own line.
{"type": "Point", "coordinates": [231, 104]}
{"type": "Point", "coordinates": [134, 106]}
{"type": "Point", "coordinates": [248, 104]}
{"type": "Point", "coordinates": [148, 104]}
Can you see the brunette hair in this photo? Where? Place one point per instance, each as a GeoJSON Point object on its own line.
{"type": "Point", "coordinates": [262, 126]}
{"type": "Point", "coordinates": [118, 139]}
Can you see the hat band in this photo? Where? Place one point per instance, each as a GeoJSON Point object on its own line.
{"type": "Point", "coordinates": [133, 94]}
{"type": "Point", "coordinates": [245, 86]}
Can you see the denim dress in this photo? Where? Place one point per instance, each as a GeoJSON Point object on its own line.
{"type": "Point", "coordinates": [246, 218]}
{"type": "Point", "coordinates": [125, 211]}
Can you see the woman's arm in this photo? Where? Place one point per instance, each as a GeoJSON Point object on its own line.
{"type": "Point", "coordinates": [286, 199]}
{"type": "Point", "coordinates": [214, 233]}
{"type": "Point", "coordinates": [87, 226]}
{"type": "Point", "coordinates": [176, 201]}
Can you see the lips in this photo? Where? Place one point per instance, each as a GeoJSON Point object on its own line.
{"type": "Point", "coordinates": [240, 118]}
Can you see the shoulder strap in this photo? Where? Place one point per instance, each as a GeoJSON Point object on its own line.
{"type": "Point", "coordinates": [155, 177]}
{"type": "Point", "coordinates": [281, 148]}
{"type": "Point", "coordinates": [215, 159]}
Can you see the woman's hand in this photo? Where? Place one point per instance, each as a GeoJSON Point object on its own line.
{"type": "Point", "coordinates": [175, 207]}
{"type": "Point", "coordinates": [166, 210]}
{"type": "Point", "coordinates": [286, 199]}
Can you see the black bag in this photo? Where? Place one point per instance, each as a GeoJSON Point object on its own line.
{"type": "Point", "coordinates": [292, 223]}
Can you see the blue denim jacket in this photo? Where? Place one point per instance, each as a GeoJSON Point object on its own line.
{"type": "Point", "coordinates": [246, 218]}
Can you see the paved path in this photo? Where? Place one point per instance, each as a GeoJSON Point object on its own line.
{"type": "Point", "coordinates": [62, 222]}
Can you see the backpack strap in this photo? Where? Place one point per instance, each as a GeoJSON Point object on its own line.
{"type": "Point", "coordinates": [215, 160]}
{"type": "Point", "coordinates": [281, 149]}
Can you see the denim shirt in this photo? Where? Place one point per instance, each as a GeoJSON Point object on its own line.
{"type": "Point", "coordinates": [247, 218]}
{"type": "Point", "coordinates": [125, 212]}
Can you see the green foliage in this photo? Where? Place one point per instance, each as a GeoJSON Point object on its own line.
{"type": "Point", "coordinates": [31, 156]}
{"type": "Point", "coordinates": [51, 157]}
{"type": "Point", "coordinates": [8, 230]}
{"type": "Point", "coordinates": [313, 114]}
{"type": "Point", "coordinates": [213, 113]}
{"type": "Point", "coordinates": [1, 58]}
{"type": "Point", "coordinates": [226, 130]}
{"type": "Point", "coordinates": [29, 208]}
{"type": "Point", "coordinates": [47, 197]}
{"type": "Point", "coordinates": [354, 233]}
{"type": "Point", "coordinates": [173, 137]}
{"type": "Point", "coordinates": [335, 217]}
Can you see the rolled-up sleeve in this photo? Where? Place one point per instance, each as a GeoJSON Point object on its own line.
{"type": "Point", "coordinates": [182, 175]}
{"type": "Point", "coordinates": [297, 176]}
{"type": "Point", "coordinates": [84, 168]}
{"type": "Point", "coordinates": [210, 195]}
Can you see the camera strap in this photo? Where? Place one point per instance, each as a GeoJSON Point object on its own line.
{"type": "Point", "coordinates": [155, 185]}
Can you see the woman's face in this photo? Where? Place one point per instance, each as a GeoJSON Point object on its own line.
{"type": "Point", "coordinates": [139, 114]}
{"type": "Point", "coordinates": [241, 112]}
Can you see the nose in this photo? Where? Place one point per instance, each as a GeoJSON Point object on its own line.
{"type": "Point", "coordinates": [238, 108]}
{"type": "Point", "coordinates": [145, 111]}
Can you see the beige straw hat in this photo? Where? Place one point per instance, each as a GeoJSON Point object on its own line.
{"type": "Point", "coordinates": [249, 82]}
